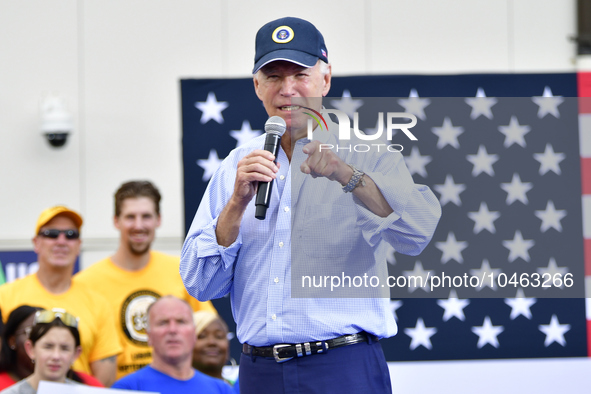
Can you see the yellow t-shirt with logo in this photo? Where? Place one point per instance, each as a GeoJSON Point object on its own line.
{"type": "Point", "coordinates": [98, 335]}
{"type": "Point", "coordinates": [129, 294]}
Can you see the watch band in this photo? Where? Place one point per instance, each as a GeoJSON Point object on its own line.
{"type": "Point", "coordinates": [355, 180]}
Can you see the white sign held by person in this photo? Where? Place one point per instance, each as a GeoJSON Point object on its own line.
{"type": "Point", "coordinates": [62, 388]}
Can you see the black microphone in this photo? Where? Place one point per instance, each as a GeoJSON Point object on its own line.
{"type": "Point", "coordinates": [275, 127]}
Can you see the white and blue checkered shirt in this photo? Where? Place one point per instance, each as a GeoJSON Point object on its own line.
{"type": "Point", "coordinates": [257, 268]}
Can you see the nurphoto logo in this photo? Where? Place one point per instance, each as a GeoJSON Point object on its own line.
{"type": "Point", "coordinates": [345, 129]}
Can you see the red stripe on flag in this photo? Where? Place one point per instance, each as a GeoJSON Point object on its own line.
{"type": "Point", "coordinates": [584, 90]}
{"type": "Point", "coordinates": [584, 93]}
{"type": "Point", "coordinates": [584, 105]}
{"type": "Point", "coordinates": [584, 84]}
{"type": "Point", "coordinates": [586, 175]}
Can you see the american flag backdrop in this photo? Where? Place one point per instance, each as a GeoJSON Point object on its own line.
{"type": "Point", "coordinates": [508, 176]}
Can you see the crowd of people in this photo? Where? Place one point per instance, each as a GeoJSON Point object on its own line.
{"type": "Point", "coordinates": [128, 321]}
{"type": "Point", "coordinates": [97, 327]}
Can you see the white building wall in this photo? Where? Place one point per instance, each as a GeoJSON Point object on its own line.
{"type": "Point", "coordinates": [117, 63]}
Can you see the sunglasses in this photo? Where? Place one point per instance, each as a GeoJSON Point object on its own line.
{"type": "Point", "coordinates": [54, 233]}
{"type": "Point", "coordinates": [48, 316]}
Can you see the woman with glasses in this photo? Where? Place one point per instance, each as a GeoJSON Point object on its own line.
{"type": "Point", "coordinates": [53, 344]}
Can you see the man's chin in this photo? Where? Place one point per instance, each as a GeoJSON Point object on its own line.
{"type": "Point", "coordinates": [299, 133]}
{"type": "Point", "coordinates": [139, 250]}
{"type": "Point", "coordinates": [296, 122]}
{"type": "Point", "coordinates": [174, 357]}
{"type": "Point", "coordinates": [62, 263]}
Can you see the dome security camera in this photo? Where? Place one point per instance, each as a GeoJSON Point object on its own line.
{"type": "Point", "coordinates": [57, 139]}
{"type": "Point", "coordinates": [56, 124]}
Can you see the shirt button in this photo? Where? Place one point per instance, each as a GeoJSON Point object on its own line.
{"type": "Point", "coordinates": [286, 209]}
{"type": "Point", "coordinates": [274, 317]}
{"type": "Point", "coordinates": [280, 244]}
{"type": "Point", "coordinates": [282, 177]}
{"type": "Point", "coordinates": [276, 280]}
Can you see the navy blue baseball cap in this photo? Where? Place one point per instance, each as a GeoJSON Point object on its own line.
{"type": "Point", "coordinates": [291, 39]}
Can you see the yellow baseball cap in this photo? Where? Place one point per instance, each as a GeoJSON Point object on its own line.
{"type": "Point", "coordinates": [52, 212]}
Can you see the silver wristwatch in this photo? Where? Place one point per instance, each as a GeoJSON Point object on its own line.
{"type": "Point", "coordinates": [355, 180]}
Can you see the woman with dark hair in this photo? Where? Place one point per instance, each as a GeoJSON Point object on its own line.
{"type": "Point", "coordinates": [53, 344]}
{"type": "Point", "coordinates": [15, 364]}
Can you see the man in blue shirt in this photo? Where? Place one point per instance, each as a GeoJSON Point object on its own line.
{"type": "Point", "coordinates": [349, 207]}
{"type": "Point", "coordinates": [171, 333]}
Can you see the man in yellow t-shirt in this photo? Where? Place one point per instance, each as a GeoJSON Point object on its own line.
{"type": "Point", "coordinates": [57, 244]}
{"type": "Point", "coordinates": [136, 276]}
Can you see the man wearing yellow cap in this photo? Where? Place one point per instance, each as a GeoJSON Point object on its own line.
{"type": "Point", "coordinates": [57, 244]}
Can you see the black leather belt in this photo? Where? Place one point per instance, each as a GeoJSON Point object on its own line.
{"type": "Point", "coordinates": [284, 351]}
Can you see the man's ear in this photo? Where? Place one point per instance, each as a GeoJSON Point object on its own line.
{"type": "Point", "coordinates": [256, 86]}
{"type": "Point", "coordinates": [36, 241]}
{"type": "Point", "coordinates": [327, 79]}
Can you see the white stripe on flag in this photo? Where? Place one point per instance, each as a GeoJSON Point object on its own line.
{"type": "Point", "coordinates": [585, 134]}
{"type": "Point", "coordinates": [586, 216]}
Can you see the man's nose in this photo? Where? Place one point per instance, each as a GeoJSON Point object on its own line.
{"type": "Point", "coordinates": [288, 86]}
{"type": "Point", "coordinates": [61, 238]}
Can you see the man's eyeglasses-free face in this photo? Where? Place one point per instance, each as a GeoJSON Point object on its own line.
{"type": "Point", "coordinates": [54, 233]}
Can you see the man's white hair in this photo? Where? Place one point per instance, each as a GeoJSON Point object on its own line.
{"type": "Point", "coordinates": [324, 67]}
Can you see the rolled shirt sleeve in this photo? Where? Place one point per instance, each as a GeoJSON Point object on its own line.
{"type": "Point", "coordinates": [416, 210]}
{"type": "Point", "coordinates": [207, 268]}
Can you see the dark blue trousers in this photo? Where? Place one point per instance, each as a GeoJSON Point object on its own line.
{"type": "Point", "coordinates": [359, 368]}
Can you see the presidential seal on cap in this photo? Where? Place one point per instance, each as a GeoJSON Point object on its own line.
{"type": "Point", "coordinates": [283, 35]}
{"type": "Point", "coordinates": [291, 39]}
{"type": "Point", "coordinates": [52, 212]}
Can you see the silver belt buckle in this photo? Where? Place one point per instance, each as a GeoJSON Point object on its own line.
{"type": "Point", "coordinates": [276, 353]}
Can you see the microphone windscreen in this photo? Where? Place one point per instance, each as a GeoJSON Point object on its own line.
{"type": "Point", "coordinates": [275, 125]}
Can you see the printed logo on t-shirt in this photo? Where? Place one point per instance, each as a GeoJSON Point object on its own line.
{"type": "Point", "coordinates": [134, 315]}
